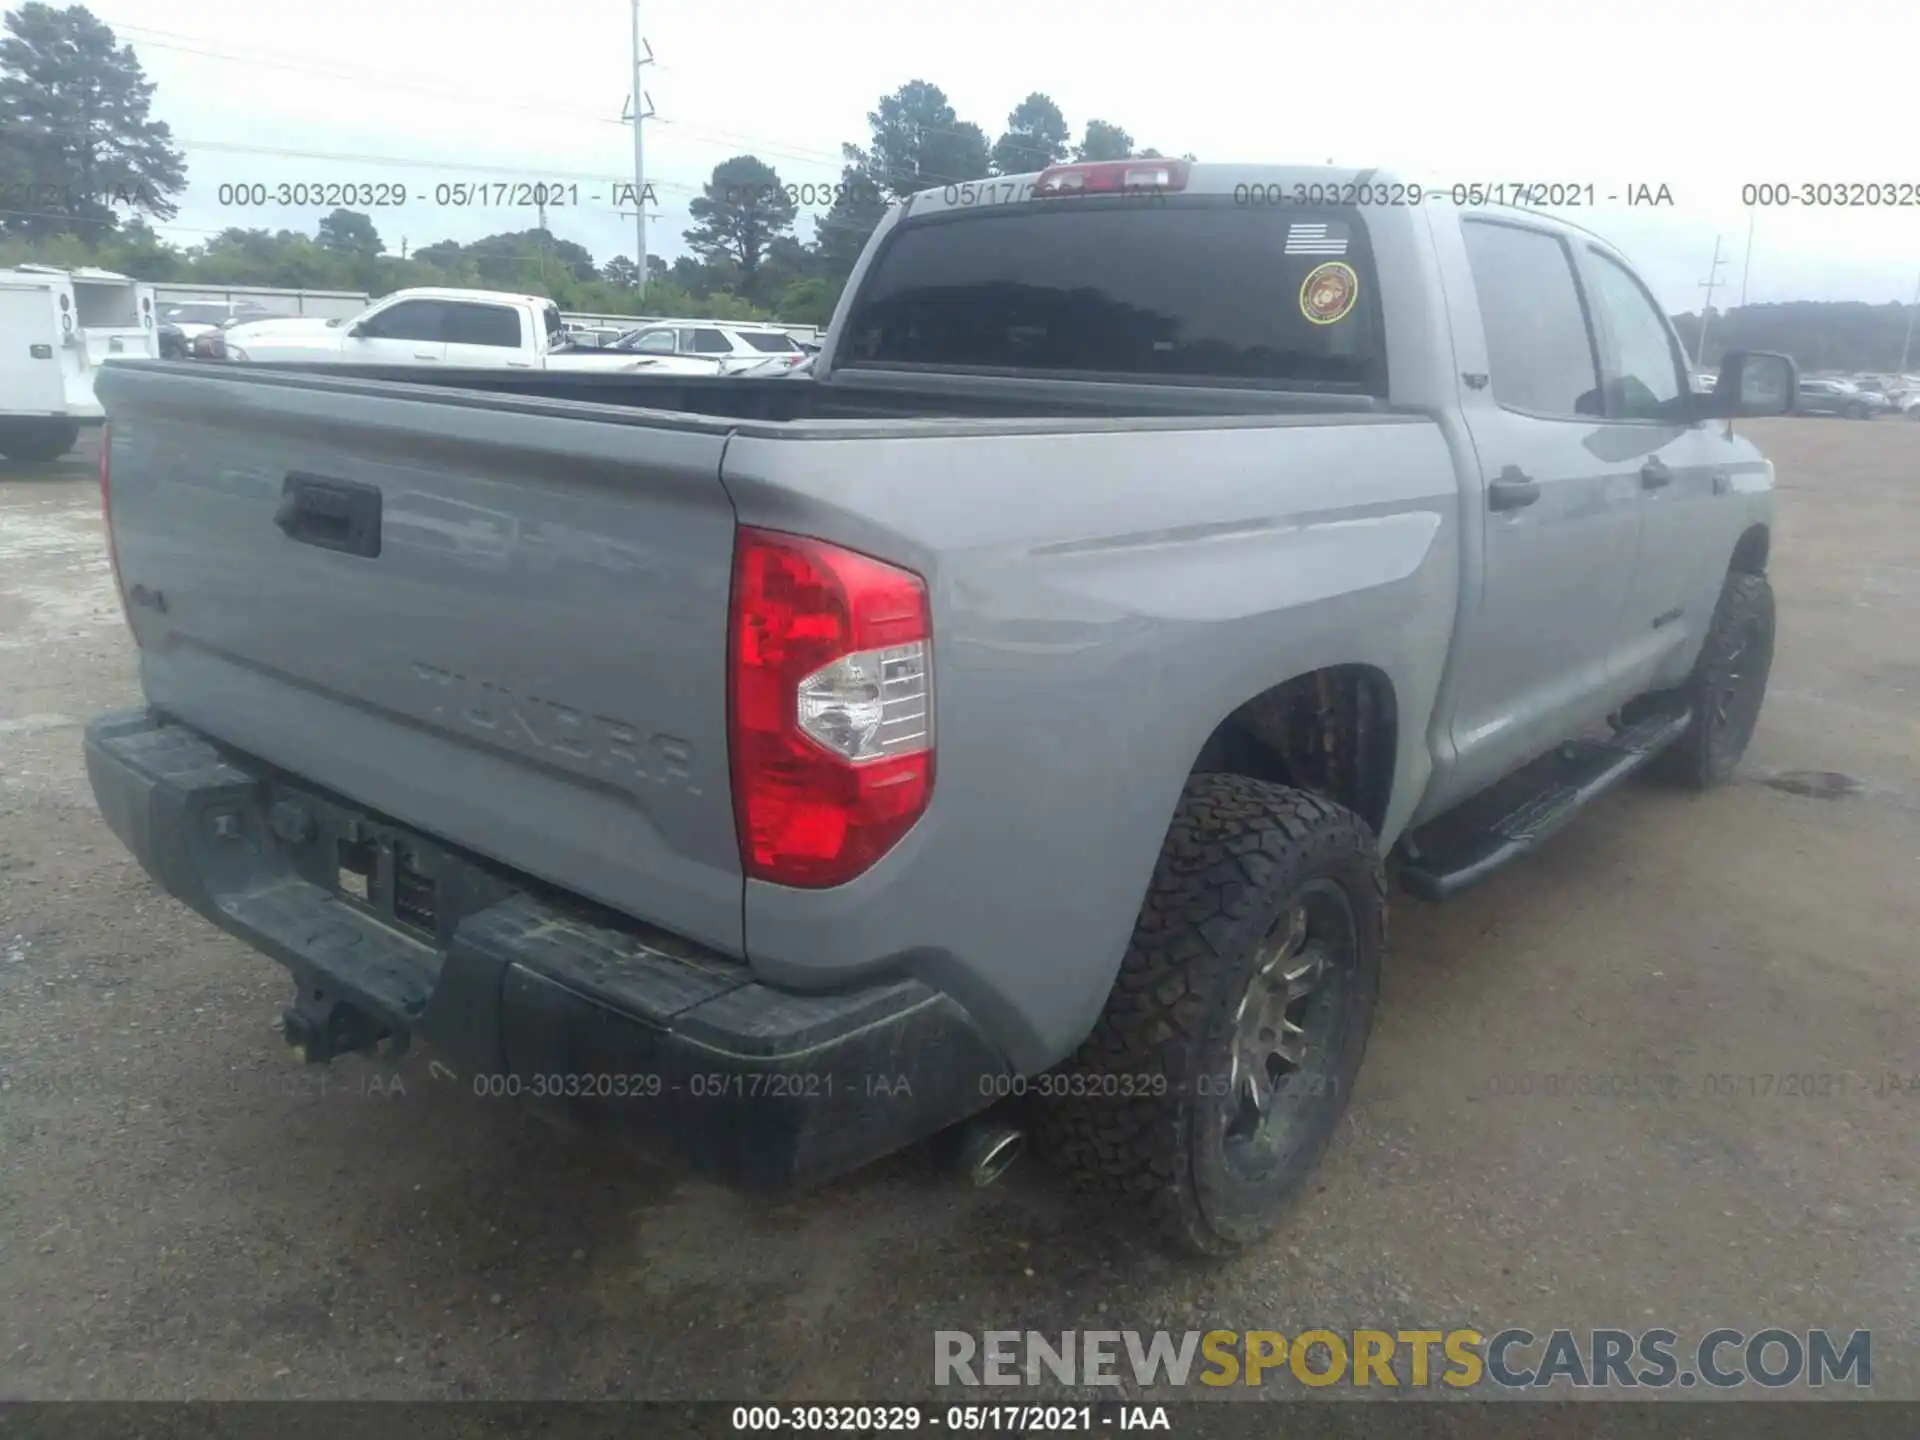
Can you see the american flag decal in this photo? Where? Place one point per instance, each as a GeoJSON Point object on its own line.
{"type": "Point", "coordinates": [1313, 239]}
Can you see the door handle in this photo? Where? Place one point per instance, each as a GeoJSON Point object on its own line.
{"type": "Point", "coordinates": [1511, 489]}
{"type": "Point", "coordinates": [341, 515]}
{"type": "Point", "coordinates": [425, 355]}
{"type": "Point", "coordinates": [1655, 474]}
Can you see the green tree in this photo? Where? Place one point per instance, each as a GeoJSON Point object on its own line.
{"type": "Point", "coordinates": [443, 254]}
{"type": "Point", "coordinates": [621, 273]}
{"type": "Point", "coordinates": [349, 232]}
{"type": "Point", "coordinates": [917, 143]}
{"type": "Point", "coordinates": [841, 234]}
{"type": "Point", "coordinates": [786, 263]}
{"type": "Point", "coordinates": [739, 215]}
{"type": "Point", "coordinates": [77, 125]}
{"type": "Point", "coordinates": [809, 302]}
{"type": "Point", "coordinates": [1104, 141]}
{"type": "Point", "coordinates": [1037, 135]}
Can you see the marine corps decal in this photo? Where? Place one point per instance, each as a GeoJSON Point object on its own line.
{"type": "Point", "coordinates": [1328, 293]}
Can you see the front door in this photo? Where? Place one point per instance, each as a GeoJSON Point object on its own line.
{"type": "Point", "coordinates": [407, 332]}
{"type": "Point", "coordinates": [1533, 656]}
{"type": "Point", "coordinates": [1681, 467]}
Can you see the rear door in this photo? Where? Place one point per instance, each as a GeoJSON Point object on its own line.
{"type": "Point", "coordinates": [486, 336]}
{"type": "Point", "coordinates": [405, 333]}
{"type": "Point", "coordinates": [527, 660]}
{"type": "Point", "coordinates": [30, 351]}
{"type": "Point", "coordinates": [1535, 647]}
{"type": "Point", "coordinates": [1681, 468]}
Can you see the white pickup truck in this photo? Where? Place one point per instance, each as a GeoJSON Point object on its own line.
{"type": "Point", "coordinates": [460, 329]}
{"type": "Point", "coordinates": [56, 327]}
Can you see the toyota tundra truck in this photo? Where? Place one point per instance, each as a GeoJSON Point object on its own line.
{"type": "Point", "coordinates": [1033, 701]}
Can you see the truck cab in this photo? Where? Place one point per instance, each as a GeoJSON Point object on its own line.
{"type": "Point", "coordinates": [436, 327]}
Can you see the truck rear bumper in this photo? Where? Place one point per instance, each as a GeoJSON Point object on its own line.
{"type": "Point", "coordinates": [521, 992]}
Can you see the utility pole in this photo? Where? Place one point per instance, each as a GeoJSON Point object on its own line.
{"type": "Point", "coordinates": [1746, 266]}
{"type": "Point", "coordinates": [1906, 345]}
{"type": "Point", "coordinates": [540, 202]}
{"type": "Point", "coordinates": [641, 108]}
{"type": "Point", "coordinates": [1706, 309]}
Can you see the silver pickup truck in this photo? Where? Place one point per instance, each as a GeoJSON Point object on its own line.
{"type": "Point", "coordinates": [1031, 703]}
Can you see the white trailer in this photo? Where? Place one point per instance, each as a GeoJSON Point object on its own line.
{"type": "Point", "coordinates": [57, 327]}
{"type": "Point", "coordinates": [327, 304]}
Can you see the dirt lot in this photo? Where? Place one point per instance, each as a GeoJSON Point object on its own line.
{"type": "Point", "coordinates": [183, 1213]}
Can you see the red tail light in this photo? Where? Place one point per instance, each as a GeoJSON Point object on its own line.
{"type": "Point", "coordinates": [830, 707]}
{"type": "Point", "coordinates": [1107, 177]}
{"type": "Point", "coordinates": [106, 519]}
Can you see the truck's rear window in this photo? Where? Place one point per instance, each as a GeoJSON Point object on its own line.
{"type": "Point", "coordinates": [1181, 289]}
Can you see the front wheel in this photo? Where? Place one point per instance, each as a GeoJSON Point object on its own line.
{"type": "Point", "coordinates": [1726, 688]}
{"type": "Point", "coordinates": [1228, 1049]}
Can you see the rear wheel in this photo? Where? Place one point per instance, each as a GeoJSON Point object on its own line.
{"type": "Point", "coordinates": [1726, 688]}
{"type": "Point", "coordinates": [1227, 1052]}
{"type": "Point", "coordinates": [37, 440]}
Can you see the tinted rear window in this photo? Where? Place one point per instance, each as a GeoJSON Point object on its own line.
{"type": "Point", "coordinates": [772, 344]}
{"type": "Point", "coordinates": [1175, 290]}
{"type": "Point", "coordinates": [493, 325]}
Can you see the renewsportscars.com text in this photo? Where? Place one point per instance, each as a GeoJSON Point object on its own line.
{"type": "Point", "coordinates": [1513, 1359]}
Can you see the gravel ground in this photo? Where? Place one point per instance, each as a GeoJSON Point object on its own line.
{"type": "Point", "coordinates": [185, 1214]}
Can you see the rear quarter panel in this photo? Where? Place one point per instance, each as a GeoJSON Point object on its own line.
{"type": "Point", "coordinates": [1102, 596]}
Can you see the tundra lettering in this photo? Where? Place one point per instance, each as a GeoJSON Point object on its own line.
{"type": "Point", "coordinates": [547, 725]}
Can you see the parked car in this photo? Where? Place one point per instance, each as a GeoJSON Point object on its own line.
{"type": "Point", "coordinates": [780, 790]}
{"type": "Point", "coordinates": [779, 366]}
{"type": "Point", "coordinates": [474, 329]}
{"type": "Point", "coordinates": [734, 347]}
{"type": "Point", "coordinates": [197, 318]}
{"type": "Point", "coordinates": [593, 336]}
{"type": "Point", "coordinates": [1838, 397]}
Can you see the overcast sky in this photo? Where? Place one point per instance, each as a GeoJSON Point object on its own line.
{"type": "Point", "coordinates": [1702, 98]}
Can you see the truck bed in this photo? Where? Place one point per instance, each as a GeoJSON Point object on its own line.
{"type": "Point", "coordinates": [866, 394]}
{"type": "Point", "coordinates": [532, 666]}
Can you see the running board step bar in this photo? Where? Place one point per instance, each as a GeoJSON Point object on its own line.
{"type": "Point", "coordinates": [1580, 772]}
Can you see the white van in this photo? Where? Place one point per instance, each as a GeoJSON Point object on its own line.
{"type": "Point", "coordinates": [57, 327]}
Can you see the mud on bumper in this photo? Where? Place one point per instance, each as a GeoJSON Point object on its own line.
{"type": "Point", "coordinates": [523, 992]}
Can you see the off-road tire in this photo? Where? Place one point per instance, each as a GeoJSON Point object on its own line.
{"type": "Point", "coordinates": [1137, 1120]}
{"type": "Point", "coordinates": [37, 441]}
{"type": "Point", "coordinates": [1742, 626]}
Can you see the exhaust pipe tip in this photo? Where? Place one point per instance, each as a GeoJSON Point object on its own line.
{"type": "Point", "coordinates": [989, 1150]}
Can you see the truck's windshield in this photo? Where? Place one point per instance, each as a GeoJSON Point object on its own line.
{"type": "Point", "coordinates": [1185, 289]}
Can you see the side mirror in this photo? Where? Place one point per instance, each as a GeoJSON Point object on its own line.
{"type": "Point", "coordinates": [1753, 382]}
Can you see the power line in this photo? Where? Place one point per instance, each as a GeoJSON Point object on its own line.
{"type": "Point", "coordinates": [281, 60]}
{"type": "Point", "coordinates": [699, 134]}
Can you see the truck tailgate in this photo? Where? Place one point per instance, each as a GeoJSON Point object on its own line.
{"type": "Point", "coordinates": [503, 625]}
